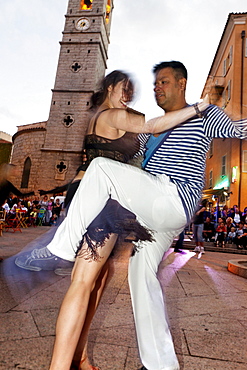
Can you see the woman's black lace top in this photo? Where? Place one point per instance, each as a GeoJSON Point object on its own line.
{"type": "Point", "coordinates": [122, 149]}
{"type": "Point", "coordinates": [113, 218]}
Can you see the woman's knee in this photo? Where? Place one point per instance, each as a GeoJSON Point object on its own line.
{"type": "Point", "coordinates": [85, 272]}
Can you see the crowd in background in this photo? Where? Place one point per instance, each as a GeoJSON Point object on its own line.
{"type": "Point", "coordinates": [37, 211]}
{"type": "Point", "coordinates": [220, 225]}
{"type": "Point", "coordinates": [226, 226]}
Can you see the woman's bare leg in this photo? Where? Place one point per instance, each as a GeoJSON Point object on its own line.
{"type": "Point", "coordinates": [81, 350]}
{"type": "Point", "coordinates": [74, 308]}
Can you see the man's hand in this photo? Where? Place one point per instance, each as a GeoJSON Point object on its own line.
{"type": "Point", "coordinates": [206, 99]}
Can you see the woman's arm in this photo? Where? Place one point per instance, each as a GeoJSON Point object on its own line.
{"type": "Point", "coordinates": [174, 118]}
{"type": "Point", "coordinates": [130, 121]}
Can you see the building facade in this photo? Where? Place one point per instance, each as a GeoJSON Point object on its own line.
{"type": "Point", "coordinates": [227, 87]}
{"type": "Point", "coordinates": [47, 154]}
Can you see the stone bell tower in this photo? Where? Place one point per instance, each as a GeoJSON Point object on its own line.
{"type": "Point", "coordinates": [81, 64]}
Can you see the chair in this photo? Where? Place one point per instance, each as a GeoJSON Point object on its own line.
{"type": "Point", "coordinates": [41, 216]}
{"type": "Point", "coordinates": [32, 219]}
{"type": "Point", "coordinates": [12, 223]}
{"type": "Point", "coordinates": [21, 216]}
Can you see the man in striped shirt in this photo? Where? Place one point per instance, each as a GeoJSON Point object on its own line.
{"type": "Point", "coordinates": [179, 155]}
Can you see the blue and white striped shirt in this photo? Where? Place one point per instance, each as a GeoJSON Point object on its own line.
{"type": "Point", "coordinates": [181, 155]}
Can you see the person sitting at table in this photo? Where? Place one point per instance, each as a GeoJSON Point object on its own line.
{"type": "Point", "coordinates": [208, 230]}
{"type": "Point", "coordinates": [6, 207]}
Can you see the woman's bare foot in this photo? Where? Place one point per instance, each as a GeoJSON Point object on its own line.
{"type": "Point", "coordinates": [83, 365]}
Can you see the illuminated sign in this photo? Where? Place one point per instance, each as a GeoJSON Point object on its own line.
{"type": "Point", "coordinates": [234, 173]}
{"type": "Point", "coordinates": [223, 184]}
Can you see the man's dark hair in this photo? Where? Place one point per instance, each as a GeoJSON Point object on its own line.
{"type": "Point", "coordinates": [179, 69]}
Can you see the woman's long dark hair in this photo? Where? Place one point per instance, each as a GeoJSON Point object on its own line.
{"type": "Point", "coordinates": [112, 79]}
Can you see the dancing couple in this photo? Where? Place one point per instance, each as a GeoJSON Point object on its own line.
{"type": "Point", "coordinates": [162, 200]}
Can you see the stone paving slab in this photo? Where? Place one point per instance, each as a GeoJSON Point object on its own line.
{"type": "Point", "coordinates": [45, 321]}
{"type": "Point", "coordinates": [17, 325]}
{"type": "Point", "coordinates": [206, 307]}
{"type": "Point", "coordinates": [209, 345]}
{"type": "Point", "coordinates": [28, 354]}
{"type": "Point", "coordinates": [202, 363]}
{"type": "Point", "coordinates": [207, 323]}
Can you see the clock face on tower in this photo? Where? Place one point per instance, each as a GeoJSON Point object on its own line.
{"type": "Point", "coordinates": [82, 24]}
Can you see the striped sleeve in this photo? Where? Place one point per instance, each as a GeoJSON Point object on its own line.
{"type": "Point", "coordinates": [241, 128]}
{"type": "Point", "coordinates": [143, 138]}
{"type": "Point", "coordinates": [217, 124]}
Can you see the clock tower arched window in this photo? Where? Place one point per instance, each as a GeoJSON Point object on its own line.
{"type": "Point", "coordinates": [86, 4]}
{"type": "Point", "coordinates": [108, 11]}
{"type": "Point", "coordinates": [26, 173]}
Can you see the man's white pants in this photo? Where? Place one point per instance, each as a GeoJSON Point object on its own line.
{"type": "Point", "coordinates": [157, 205]}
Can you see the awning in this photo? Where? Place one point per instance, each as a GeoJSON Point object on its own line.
{"type": "Point", "coordinates": [207, 193]}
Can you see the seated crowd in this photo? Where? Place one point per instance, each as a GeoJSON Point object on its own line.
{"type": "Point", "coordinates": [227, 226]}
{"type": "Point", "coordinates": [35, 211]}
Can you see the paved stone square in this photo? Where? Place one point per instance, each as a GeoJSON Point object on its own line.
{"type": "Point", "coordinates": [206, 306]}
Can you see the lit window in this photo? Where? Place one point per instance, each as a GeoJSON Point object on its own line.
{"type": "Point", "coordinates": [86, 4]}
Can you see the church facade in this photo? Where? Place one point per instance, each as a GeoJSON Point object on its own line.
{"type": "Point", "coordinates": [48, 153]}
